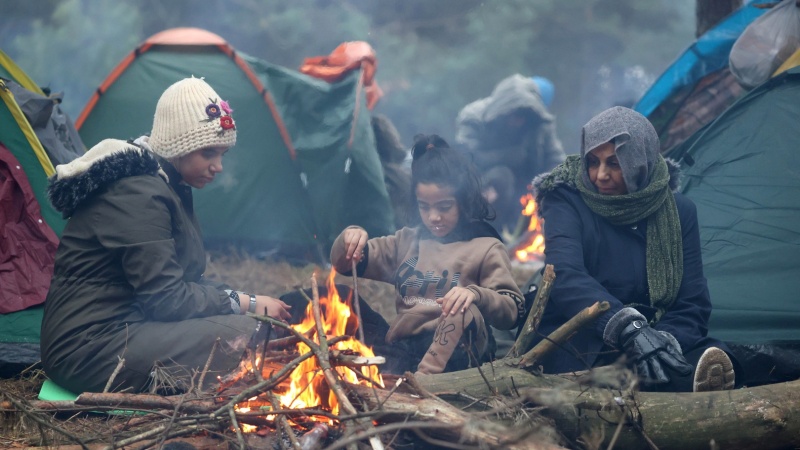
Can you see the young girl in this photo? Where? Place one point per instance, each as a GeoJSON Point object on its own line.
{"type": "Point", "coordinates": [451, 273]}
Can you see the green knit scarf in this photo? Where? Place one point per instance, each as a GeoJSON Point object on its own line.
{"type": "Point", "coordinates": [664, 254]}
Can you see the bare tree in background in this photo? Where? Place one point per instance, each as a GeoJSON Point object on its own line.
{"type": "Point", "coordinates": [709, 12]}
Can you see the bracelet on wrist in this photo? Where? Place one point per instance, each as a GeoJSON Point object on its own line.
{"type": "Point", "coordinates": [252, 308]}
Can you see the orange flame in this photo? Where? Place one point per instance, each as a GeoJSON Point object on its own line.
{"type": "Point", "coordinates": [533, 245]}
{"type": "Point", "coordinates": [308, 387]}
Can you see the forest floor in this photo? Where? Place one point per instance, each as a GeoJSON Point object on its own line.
{"type": "Point", "coordinates": [23, 430]}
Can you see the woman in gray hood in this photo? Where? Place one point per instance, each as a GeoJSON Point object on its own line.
{"type": "Point", "coordinates": [616, 231]}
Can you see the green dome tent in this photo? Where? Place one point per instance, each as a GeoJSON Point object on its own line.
{"type": "Point", "coordinates": [743, 173]}
{"type": "Point", "coordinates": [294, 179]}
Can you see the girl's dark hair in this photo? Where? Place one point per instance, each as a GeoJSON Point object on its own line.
{"type": "Point", "coordinates": [434, 162]}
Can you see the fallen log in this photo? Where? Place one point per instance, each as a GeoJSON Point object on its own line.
{"type": "Point", "coordinates": [764, 417]}
{"type": "Point", "coordinates": [452, 424]}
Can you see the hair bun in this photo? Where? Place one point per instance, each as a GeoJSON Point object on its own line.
{"type": "Point", "coordinates": [425, 142]}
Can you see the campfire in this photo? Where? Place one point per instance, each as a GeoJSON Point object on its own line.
{"type": "Point", "coordinates": [531, 244]}
{"type": "Point", "coordinates": [308, 384]}
{"type": "Point", "coordinates": [308, 387]}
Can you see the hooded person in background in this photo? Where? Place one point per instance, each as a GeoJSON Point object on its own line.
{"type": "Point", "coordinates": [616, 231]}
{"type": "Point", "coordinates": [511, 137]}
{"type": "Point", "coordinates": [128, 279]}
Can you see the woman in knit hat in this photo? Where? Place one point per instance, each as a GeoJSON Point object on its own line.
{"type": "Point", "coordinates": [128, 279]}
{"type": "Point", "coordinates": [616, 231]}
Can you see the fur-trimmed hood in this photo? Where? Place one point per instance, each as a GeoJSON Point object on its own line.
{"type": "Point", "coordinates": [104, 164]}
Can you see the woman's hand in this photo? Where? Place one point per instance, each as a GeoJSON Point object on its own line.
{"type": "Point", "coordinates": [354, 238]}
{"type": "Point", "coordinates": [275, 308]}
{"type": "Point", "coordinates": [458, 299]}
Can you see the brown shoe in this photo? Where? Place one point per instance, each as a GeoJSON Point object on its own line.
{"type": "Point", "coordinates": [714, 371]}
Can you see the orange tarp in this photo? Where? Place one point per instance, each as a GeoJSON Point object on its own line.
{"type": "Point", "coordinates": [343, 59]}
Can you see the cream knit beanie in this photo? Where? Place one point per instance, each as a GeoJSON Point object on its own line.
{"type": "Point", "coordinates": [190, 116]}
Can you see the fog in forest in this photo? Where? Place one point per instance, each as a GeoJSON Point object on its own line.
{"type": "Point", "coordinates": [434, 57]}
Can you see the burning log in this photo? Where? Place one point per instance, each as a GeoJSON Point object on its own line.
{"type": "Point", "coordinates": [341, 359]}
{"type": "Point", "coordinates": [313, 439]}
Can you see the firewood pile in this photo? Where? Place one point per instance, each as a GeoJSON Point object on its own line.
{"type": "Point", "coordinates": [505, 404]}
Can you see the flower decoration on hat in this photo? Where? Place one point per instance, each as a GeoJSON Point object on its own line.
{"type": "Point", "coordinates": [215, 109]}
{"type": "Point", "coordinates": [226, 122]}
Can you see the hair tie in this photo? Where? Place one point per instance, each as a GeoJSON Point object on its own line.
{"type": "Point", "coordinates": [429, 147]}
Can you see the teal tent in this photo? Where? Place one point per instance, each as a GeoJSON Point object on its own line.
{"type": "Point", "coordinates": [304, 166]}
{"type": "Point", "coordinates": [743, 173]}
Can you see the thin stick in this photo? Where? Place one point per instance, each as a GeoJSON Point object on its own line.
{"type": "Point", "coordinates": [616, 432]}
{"type": "Point", "coordinates": [411, 379]}
{"type": "Point", "coordinates": [343, 442]}
{"type": "Point", "coordinates": [266, 344]}
{"type": "Point", "coordinates": [535, 314]}
{"type": "Point", "coordinates": [284, 372]}
{"type": "Point", "coordinates": [172, 420]}
{"type": "Point", "coordinates": [208, 364]}
{"type": "Point", "coordinates": [323, 355]}
{"type": "Point", "coordinates": [114, 374]}
{"type": "Point", "coordinates": [187, 430]}
{"type": "Point", "coordinates": [237, 428]}
{"type": "Point", "coordinates": [273, 381]}
{"type": "Point", "coordinates": [356, 303]}
{"type": "Point", "coordinates": [190, 428]}
{"type": "Point", "coordinates": [563, 333]}
{"type": "Point", "coordinates": [305, 412]}
{"type": "Point", "coordinates": [276, 405]}
{"type": "Point", "coordinates": [391, 391]}
{"type": "Point", "coordinates": [40, 421]}
{"type": "Point", "coordinates": [327, 370]}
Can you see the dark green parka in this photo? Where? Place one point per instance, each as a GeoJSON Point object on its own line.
{"type": "Point", "coordinates": [128, 278]}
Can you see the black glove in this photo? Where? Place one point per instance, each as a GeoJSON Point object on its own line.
{"type": "Point", "coordinates": [652, 352]}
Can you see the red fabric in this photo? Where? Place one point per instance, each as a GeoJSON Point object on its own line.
{"type": "Point", "coordinates": [27, 244]}
{"type": "Point", "coordinates": [346, 57]}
